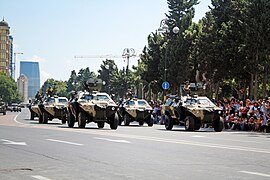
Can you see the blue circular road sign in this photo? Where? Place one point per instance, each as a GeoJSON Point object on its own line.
{"type": "Point", "coordinates": [165, 85]}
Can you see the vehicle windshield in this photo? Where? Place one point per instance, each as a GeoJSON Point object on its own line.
{"type": "Point", "coordinates": [87, 97]}
{"type": "Point", "coordinates": [130, 103]}
{"type": "Point", "coordinates": [102, 98]}
{"type": "Point", "coordinates": [62, 100]}
{"type": "Point", "coordinates": [142, 103]}
{"type": "Point", "coordinates": [191, 101]}
{"type": "Point", "coordinates": [50, 100]}
{"type": "Point", "coordinates": [205, 102]}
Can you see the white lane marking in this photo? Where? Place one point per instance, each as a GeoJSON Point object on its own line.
{"type": "Point", "coordinates": [13, 143]}
{"type": "Point", "coordinates": [65, 142]}
{"type": "Point", "coordinates": [197, 136]}
{"type": "Point", "coordinates": [113, 140]}
{"type": "Point", "coordinates": [40, 177]}
{"type": "Point", "coordinates": [15, 119]}
{"type": "Point", "coordinates": [255, 173]}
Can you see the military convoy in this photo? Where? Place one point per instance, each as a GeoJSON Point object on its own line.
{"type": "Point", "coordinates": [135, 110]}
{"type": "Point", "coordinates": [192, 112]}
{"type": "Point", "coordinates": [91, 105]}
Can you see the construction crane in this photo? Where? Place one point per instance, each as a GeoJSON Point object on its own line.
{"type": "Point", "coordinates": [127, 53]}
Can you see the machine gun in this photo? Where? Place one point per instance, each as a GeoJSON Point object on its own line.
{"type": "Point", "coordinates": [93, 84]}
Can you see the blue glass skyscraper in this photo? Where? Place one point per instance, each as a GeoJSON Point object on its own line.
{"type": "Point", "coordinates": [31, 71]}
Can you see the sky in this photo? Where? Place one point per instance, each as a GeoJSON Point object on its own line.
{"type": "Point", "coordinates": [52, 32]}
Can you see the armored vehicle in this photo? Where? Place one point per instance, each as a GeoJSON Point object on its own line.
{"type": "Point", "coordinates": [192, 112]}
{"type": "Point", "coordinates": [35, 111]}
{"type": "Point", "coordinates": [54, 107]}
{"type": "Point", "coordinates": [92, 106]}
{"type": "Point", "coordinates": [136, 110]}
{"type": "Point", "coordinates": [3, 108]}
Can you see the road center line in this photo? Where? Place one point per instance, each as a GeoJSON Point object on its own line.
{"type": "Point", "coordinates": [113, 140]}
{"type": "Point", "coordinates": [255, 173]}
{"type": "Point", "coordinates": [65, 142]}
{"type": "Point", "coordinates": [40, 177]}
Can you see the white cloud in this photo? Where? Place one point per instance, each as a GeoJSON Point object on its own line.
{"type": "Point", "coordinates": [44, 76]}
{"type": "Point", "coordinates": [36, 58]}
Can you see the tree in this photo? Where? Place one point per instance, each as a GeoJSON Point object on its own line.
{"type": "Point", "coordinates": [9, 91]}
{"type": "Point", "coordinates": [59, 87]}
{"type": "Point", "coordinates": [106, 73]}
{"type": "Point", "coordinates": [176, 55]}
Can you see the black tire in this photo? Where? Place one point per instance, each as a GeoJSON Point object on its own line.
{"type": "Point", "coordinates": [64, 121]}
{"type": "Point", "coordinates": [141, 122]}
{"type": "Point", "coordinates": [119, 120]}
{"type": "Point", "coordinates": [197, 125]}
{"type": "Point", "coordinates": [40, 119]}
{"type": "Point", "coordinates": [4, 113]}
{"type": "Point", "coordinates": [168, 122]}
{"type": "Point", "coordinates": [150, 121]}
{"type": "Point", "coordinates": [189, 123]}
{"type": "Point", "coordinates": [32, 116]}
{"type": "Point", "coordinates": [218, 125]}
{"type": "Point", "coordinates": [81, 120]}
{"type": "Point", "coordinates": [126, 119]}
{"type": "Point", "coordinates": [114, 121]}
{"type": "Point", "coordinates": [101, 124]}
{"type": "Point", "coordinates": [45, 118]}
{"type": "Point", "coordinates": [70, 120]}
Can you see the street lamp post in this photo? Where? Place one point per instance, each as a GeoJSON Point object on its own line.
{"type": "Point", "coordinates": [127, 53]}
{"type": "Point", "coordinates": [14, 64]}
{"type": "Point", "coordinates": [164, 28]}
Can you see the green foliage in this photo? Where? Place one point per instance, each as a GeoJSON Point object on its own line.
{"type": "Point", "coordinates": [8, 89]}
{"type": "Point", "coordinates": [59, 87]}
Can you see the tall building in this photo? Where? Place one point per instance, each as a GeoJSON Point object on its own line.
{"type": "Point", "coordinates": [31, 71]}
{"type": "Point", "coordinates": [6, 48]}
{"type": "Point", "coordinates": [22, 83]}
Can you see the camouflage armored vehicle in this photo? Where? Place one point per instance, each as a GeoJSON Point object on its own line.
{"type": "Point", "coordinates": [192, 112]}
{"type": "Point", "coordinates": [54, 107]}
{"type": "Point", "coordinates": [35, 111]}
{"type": "Point", "coordinates": [92, 106]}
{"type": "Point", "coordinates": [3, 108]}
{"type": "Point", "coordinates": [136, 110]}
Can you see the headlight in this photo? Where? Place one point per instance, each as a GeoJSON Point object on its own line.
{"type": "Point", "coordinates": [219, 112]}
{"type": "Point", "coordinates": [113, 108]}
{"type": "Point", "coordinates": [149, 112]}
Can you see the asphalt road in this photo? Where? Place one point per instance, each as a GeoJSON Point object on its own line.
{"type": "Point", "coordinates": [29, 150]}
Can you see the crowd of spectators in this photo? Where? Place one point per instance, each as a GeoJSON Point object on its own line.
{"type": "Point", "coordinates": [248, 115]}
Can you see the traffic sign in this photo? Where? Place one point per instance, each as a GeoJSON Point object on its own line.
{"type": "Point", "coordinates": [165, 85]}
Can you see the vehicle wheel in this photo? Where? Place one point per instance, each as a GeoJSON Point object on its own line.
{"type": "Point", "coordinates": [168, 122]}
{"type": "Point", "coordinates": [218, 125]}
{"type": "Point", "coordinates": [189, 123]}
{"type": "Point", "coordinates": [126, 119]}
{"type": "Point", "coordinates": [32, 116]}
{"type": "Point", "coordinates": [150, 121]}
{"type": "Point", "coordinates": [197, 125]}
{"type": "Point", "coordinates": [81, 120]}
{"type": "Point", "coordinates": [100, 124]}
{"type": "Point", "coordinates": [45, 118]}
{"type": "Point", "coordinates": [64, 121]}
{"type": "Point", "coordinates": [4, 113]}
{"type": "Point", "coordinates": [119, 120]}
{"type": "Point", "coordinates": [40, 119]}
{"type": "Point", "coordinates": [141, 122]}
{"type": "Point", "coordinates": [114, 121]}
{"type": "Point", "coordinates": [70, 120]}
